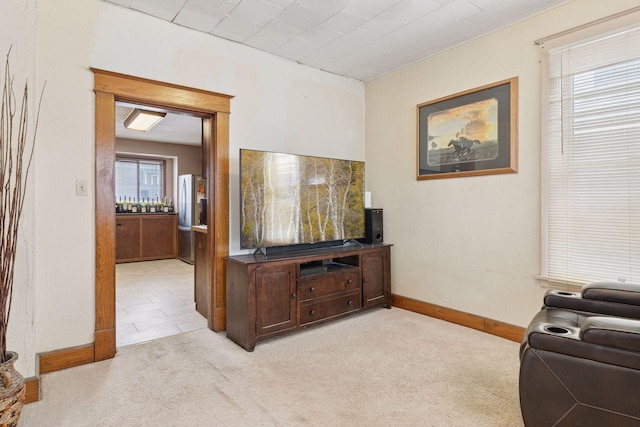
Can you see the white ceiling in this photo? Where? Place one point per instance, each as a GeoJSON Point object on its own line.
{"type": "Point", "coordinates": [361, 39]}
{"type": "Point", "coordinates": [174, 128]}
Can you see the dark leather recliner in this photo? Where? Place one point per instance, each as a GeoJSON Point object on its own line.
{"type": "Point", "coordinates": [610, 298]}
{"type": "Point", "coordinates": [579, 367]}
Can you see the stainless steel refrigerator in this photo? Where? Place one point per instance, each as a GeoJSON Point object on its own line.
{"type": "Point", "coordinates": [191, 189]}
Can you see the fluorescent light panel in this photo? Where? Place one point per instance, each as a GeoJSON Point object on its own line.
{"type": "Point", "coordinates": [142, 120]}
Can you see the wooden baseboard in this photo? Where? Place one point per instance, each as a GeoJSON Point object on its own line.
{"type": "Point", "coordinates": [76, 356]}
{"type": "Point", "coordinates": [490, 326]}
{"type": "Point", "coordinates": [55, 361]}
{"type": "Point", "coordinates": [32, 393]}
{"type": "Point", "coordinates": [66, 358]}
{"type": "Point", "coordinates": [104, 345]}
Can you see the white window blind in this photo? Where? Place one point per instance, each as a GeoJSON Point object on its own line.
{"type": "Point", "coordinates": [592, 171]}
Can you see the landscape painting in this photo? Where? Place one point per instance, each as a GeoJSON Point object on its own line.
{"type": "Point", "coordinates": [463, 134]}
{"type": "Point", "coordinates": [469, 133]}
{"type": "Point", "coordinates": [289, 199]}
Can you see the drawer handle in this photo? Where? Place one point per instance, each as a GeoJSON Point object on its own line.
{"type": "Point", "coordinates": [312, 312]}
{"type": "Point", "coordinates": [311, 289]}
{"type": "Point", "coordinates": [349, 281]}
{"type": "Point", "coordinates": [118, 225]}
{"type": "Point", "coordinates": [349, 302]}
{"type": "Point", "coordinates": [293, 296]}
{"type": "Point", "coordinates": [364, 280]}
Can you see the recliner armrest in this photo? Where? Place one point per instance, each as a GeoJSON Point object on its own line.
{"type": "Point", "coordinates": [612, 332]}
{"type": "Point", "coordinates": [623, 293]}
{"type": "Point", "coordinates": [611, 298]}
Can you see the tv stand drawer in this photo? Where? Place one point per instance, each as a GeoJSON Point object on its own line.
{"type": "Point", "coordinates": [320, 286]}
{"type": "Point", "coordinates": [321, 310]}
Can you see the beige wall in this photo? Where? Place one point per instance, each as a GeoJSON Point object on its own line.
{"type": "Point", "coordinates": [472, 244]}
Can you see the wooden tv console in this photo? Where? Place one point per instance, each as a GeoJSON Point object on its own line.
{"type": "Point", "coordinates": [278, 294]}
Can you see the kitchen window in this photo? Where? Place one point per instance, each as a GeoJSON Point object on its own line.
{"type": "Point", "coordinates": [139, 179]}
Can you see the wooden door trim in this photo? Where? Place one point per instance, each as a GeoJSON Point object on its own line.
{"type": "Point", "coordinates": [214, 108]}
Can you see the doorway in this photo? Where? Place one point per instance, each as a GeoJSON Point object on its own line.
{"type": "Point", "coordinates": [155, 280]}
{"type": "Point", "coordinates": [214, 109]}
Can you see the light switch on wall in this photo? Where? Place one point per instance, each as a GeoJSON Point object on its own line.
{"type": "Point", "coordinates": [82, 187]}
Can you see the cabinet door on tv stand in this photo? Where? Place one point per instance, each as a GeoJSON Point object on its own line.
{"type": "Point", "coordinates": [375, 278]}
{"type": "Point", "coordinates": [275, 299]}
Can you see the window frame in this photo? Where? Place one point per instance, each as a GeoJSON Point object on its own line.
{"type": "Point", "coordinates": [137, 160]}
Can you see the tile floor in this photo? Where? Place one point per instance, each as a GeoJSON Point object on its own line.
{"type": "Point", "coordinates": [154, 299]}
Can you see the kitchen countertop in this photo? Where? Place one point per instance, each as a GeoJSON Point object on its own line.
{"type": "Point", "coordinates": [200, 228]}
{"type": "Point", "coordinates": [145, 213]}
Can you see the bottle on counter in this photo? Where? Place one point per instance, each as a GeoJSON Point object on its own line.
{"type": "Point", "coordinates": [165, 206]}
{"type": "Point", "coordinates": [170, 205]}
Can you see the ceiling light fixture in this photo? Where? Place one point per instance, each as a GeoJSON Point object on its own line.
{"type": "Point", "coordinates": [142, 120]}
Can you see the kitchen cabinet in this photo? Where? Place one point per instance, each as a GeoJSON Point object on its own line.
{"type": "Point", "coordinates": [144, 237]}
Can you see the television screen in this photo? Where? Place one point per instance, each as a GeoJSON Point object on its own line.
{"type": "Point", "coordinates": [289, 199]}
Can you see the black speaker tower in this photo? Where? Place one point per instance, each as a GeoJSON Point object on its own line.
{"type": "Point", "coordinates": [372, 226]}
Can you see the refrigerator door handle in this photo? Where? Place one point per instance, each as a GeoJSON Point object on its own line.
{"type": "Point", "coordinates": [183, 202]}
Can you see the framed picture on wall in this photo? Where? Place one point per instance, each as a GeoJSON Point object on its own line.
{"type": "Point", "coordinates": [469, 133]}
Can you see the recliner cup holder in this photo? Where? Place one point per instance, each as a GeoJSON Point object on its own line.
{"type": "Point", "coordinates": [564, 293]}
{"type": "Point", "coordinates": [557, 330]}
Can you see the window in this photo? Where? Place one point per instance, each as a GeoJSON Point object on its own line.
{"type": "Point", "coordinates": [591, 176]}
{"type": "Point", "coordinates": [141, 179]}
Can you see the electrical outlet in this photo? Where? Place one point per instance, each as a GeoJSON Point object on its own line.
{"type": "Point", "coordinates": [82, 187]}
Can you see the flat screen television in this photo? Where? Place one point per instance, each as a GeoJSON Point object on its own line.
{"type": "Point", "coordinates": [294, 201]}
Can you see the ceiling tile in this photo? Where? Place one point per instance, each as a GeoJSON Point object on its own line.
{"type": "Point", "coordinates": [369, 8]}
{"type": "Point", "coordinates": [240, 28]}
{"type": "Point", "coordinates": [399, 15]}
{"type": "Point", "coordinates": [124, 3]}
{"type": "Point", "coordinates": [358, 58]}
{"type": "Point", "coordinates": [492, 18]}
{"type": "Point", "coordinates": [454, 12]}
{"type": "Point", "coordinates": [203, 15]}
{"type": "Point", "coordinates": [257, 11]}
{"type": "Point", "coordinates": [415, 35]}
{"type": "Point", "coordinates": [165, 9]}
{"type": "Point", "coordinates": [528, 8]}
{"type": "Point", "coordinates": [326, 8]}
{"type": "Point", "coordinates": [281, 3]}
{"type": "Point", "coordinates": [340, 47]}
{"type": "Point", "coordinates": [343, 22]}
{"type": "Point", "coordinates": [274, 35]}
{"type": "Point", "coordinates": [300, 16]}
{"type": "Point", "coordinates": [342, 36]}
{"type": "Point", "coordinates": [307, 43]}
{"type": "Point", "coordinates": [485, 4]}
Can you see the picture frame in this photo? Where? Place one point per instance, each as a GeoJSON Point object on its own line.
{"type": "Point", "coordinates": [471, 133]}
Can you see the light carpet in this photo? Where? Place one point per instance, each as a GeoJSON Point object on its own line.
{"type": "Point", "coordinates": [379, 368]}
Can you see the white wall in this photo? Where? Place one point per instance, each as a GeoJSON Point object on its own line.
{"type": "Point", "coordinates": [17, 24]}
{"type": "Point", "coordinates": [472, 244]}
{"type": "Point", "coordinates": [278, 105]}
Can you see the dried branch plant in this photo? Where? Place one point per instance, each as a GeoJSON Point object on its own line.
{"type": "Point", "coordinates": [16, 155]}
